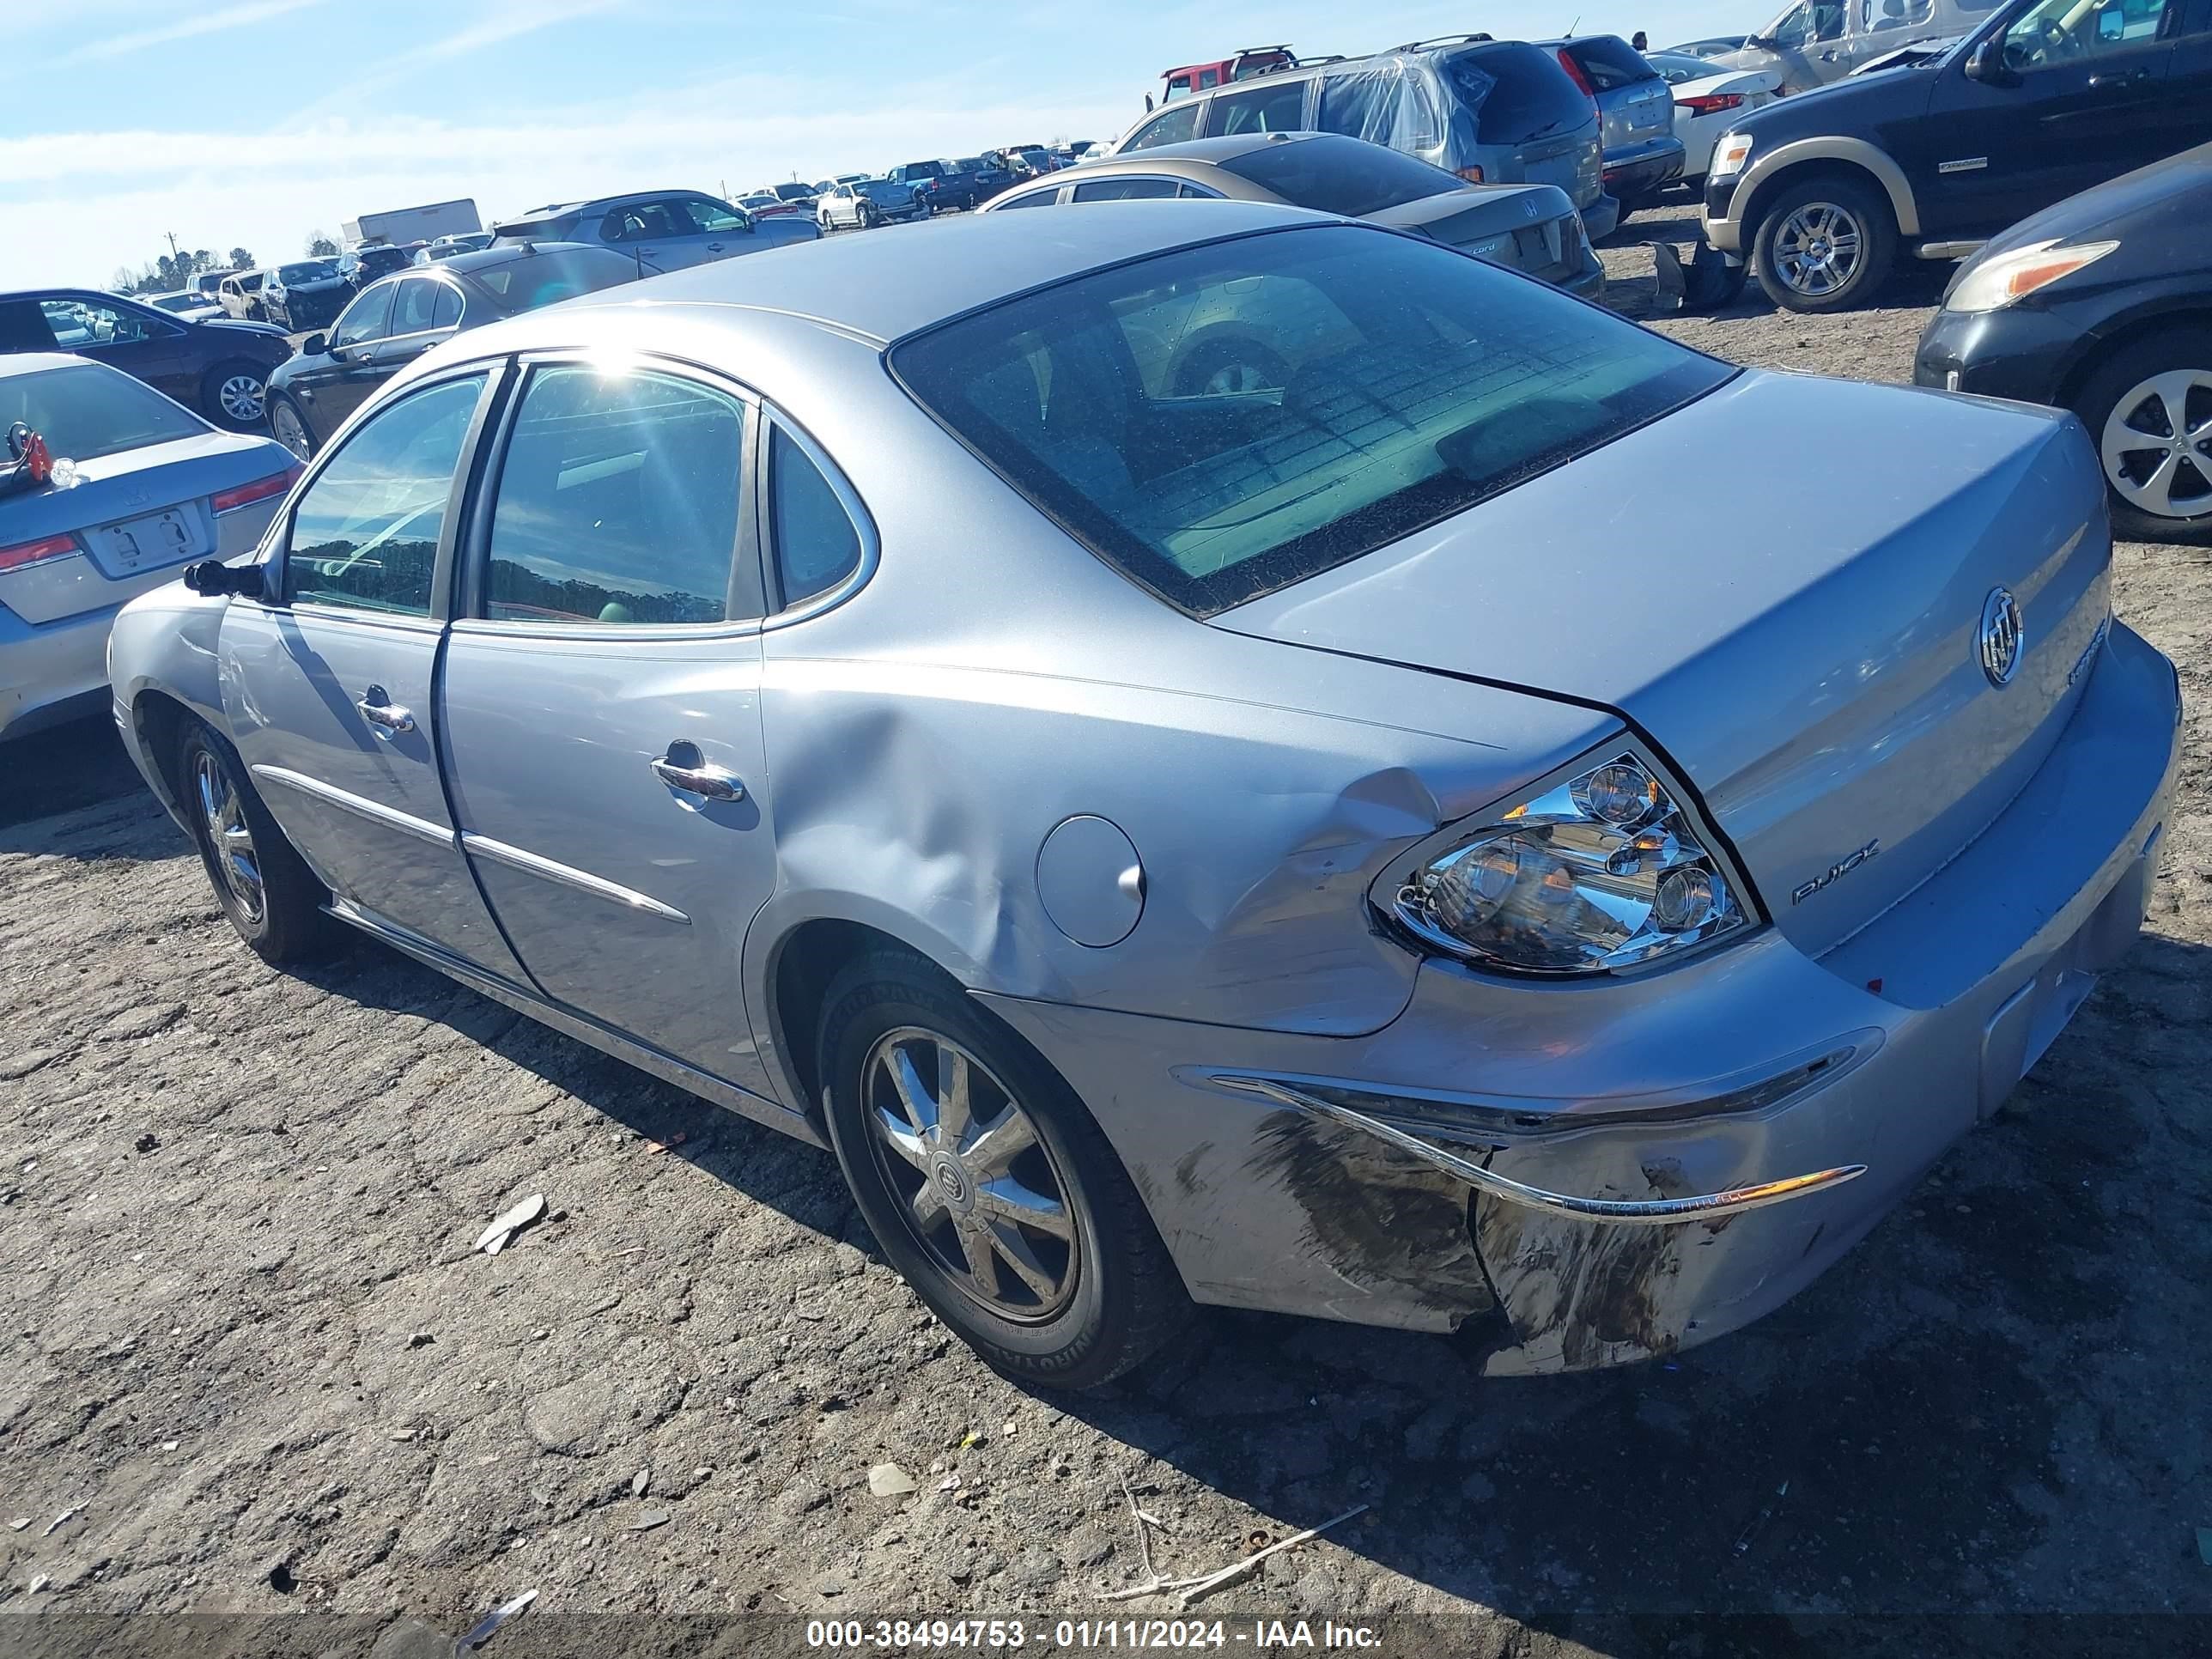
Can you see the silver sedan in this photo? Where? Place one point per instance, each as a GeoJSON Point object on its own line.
{"type": "Point", "coordinates": [1306, 847]}
{"type": "Point", "coordinates": [154, 487]}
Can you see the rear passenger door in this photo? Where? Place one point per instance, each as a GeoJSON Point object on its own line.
{"type": "Point", "coordinates": [424, 311]}
{"type": "Point", "coordinates": [601, 701]}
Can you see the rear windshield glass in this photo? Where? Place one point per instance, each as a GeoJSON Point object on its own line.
{"type": "Point", "coordinates": [1220, 421]}
{"type": "Point", "coordinates": [1340, 175]}
{"type": "Point", "coordinates": [90, 411]}
{"type": "Point", "coordinates": [1517, 93]}
{"type": "Point", "coordinates": [544, 279]}
{"type": "Point", "coordinates": [1609, 63]}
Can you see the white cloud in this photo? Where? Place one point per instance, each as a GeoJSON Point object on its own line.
{"type": "Point", "coordinates": [183, 29]}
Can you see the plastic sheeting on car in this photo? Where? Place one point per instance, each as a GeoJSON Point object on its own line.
{"type": "Point", "coordinates": [1385, 101]}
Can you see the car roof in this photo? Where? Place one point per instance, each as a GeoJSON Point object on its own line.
{"type": "Point", "coordinates": [886, 287]}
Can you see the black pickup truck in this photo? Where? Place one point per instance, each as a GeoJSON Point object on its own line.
{"type": "Point", "coordinates": [1821, 193]}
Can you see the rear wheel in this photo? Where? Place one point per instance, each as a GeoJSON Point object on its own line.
{"type": "Point", "coordinates": [264, 888]}
{"type": "Point", "coordinates": [1826, 245]}
{"type": "Point", "coordinates": [985, 1182]}
{"type": "Point", "coordinates": [2150, 410]}
{"type": "Point", "coordinates": [235, 396]}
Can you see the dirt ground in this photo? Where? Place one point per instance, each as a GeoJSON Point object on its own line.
{"type": "Point", "coordinates": [249, 1355]}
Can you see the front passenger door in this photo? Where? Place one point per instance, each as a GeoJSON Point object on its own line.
{"type": "Point", "coordinates": [601, 704]}
{"type": "Point", "coordinates": [330, 689]}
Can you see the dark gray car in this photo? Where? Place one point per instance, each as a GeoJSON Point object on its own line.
{"type": "Point", "coordinates": [659, 229]}
{"type": "Point", "coordinates": [1528, 228]}
{"type": "Point", "coordinates": [1493, 112]}
{"type": "Point", "coordinates": [398, 318]}
{"type": "Point", "coordinates": [305, 294]}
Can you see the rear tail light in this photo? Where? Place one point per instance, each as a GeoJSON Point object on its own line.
{"type": "Point", "coordinates": [1473, 175]}
{"type": "Point", "coordinates": [244, 494]}
{"type": "Point", "coordinates": [1575, 73]}
{"type": "Point", "coordinates": [1711, 103]}
{"type": "Point", "coordinates": [37, 552]}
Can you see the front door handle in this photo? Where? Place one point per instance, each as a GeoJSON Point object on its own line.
{"type": "Point", "coordinates": [382, 713]}
{"type": "Point", "coordinates": [683, 768]}
{"type": "Point", "coordinates": [2110, 82]}
{"type": "Point", "coordinates": [714, 247]}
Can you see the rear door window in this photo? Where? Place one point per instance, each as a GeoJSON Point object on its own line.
{"type": "Point", "coordinates": [1125, 190]}
{"type": "Point", "coordinates": [414, 305]}
{"type": "Point", "coordinates": [815, 543]}
{"type": "Point", "coordinates": [1516, 93]}
{"type": "Point", "coordinates": [1276, 107]}
{"type": "Point", "coordinates": [617, 502]}
{"type": "Point", "coordinates": [1172, 127]}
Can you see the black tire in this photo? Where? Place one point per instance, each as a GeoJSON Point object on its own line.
{"type": "Point", "coordinates": [1123, 1298]}
{"type": "Point", "coordinates": [1233, 356]}
{"type": "Point", "coordinates": [278, 401]}
{"type": "Point", "coordinates": [1712, 282]}
{"type": "Point", "coordinates": [212, 395]}
{"type": "Point", "coordinates": [1864, 204]}
{"type": "Point", "coordinates": [2184, 347]}
{"type": "Point", "coordinates": [290, 923]}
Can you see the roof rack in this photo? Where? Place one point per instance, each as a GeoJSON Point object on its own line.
{"type": "Point", "coordinates": [1444, 40]}
{"type": "Point", "coordinates": [1333, 58]}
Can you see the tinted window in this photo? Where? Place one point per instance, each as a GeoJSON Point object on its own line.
{"type": "Point", "coordinates": [1033, 199]}
{"type": "Point", "coordinates": [1278, 107]}
{"type": "Point", "coordinates": [618, 501]}
{"type": "Point", "coordinates": [816, 545]}
{"type": "Point", "coordinates": [446, 310]}
{"type": "Point", "coordinates": [1340, 175]}
{"type": "Point", "coordinates": [414, 305]}
{"type": "Point", "coordinates": [368, 318]}
{"type": "Point", "coordinates": [1516, 93]}
{"type": "Point", "coordinates": [718, 216]}
{"type": "Point", "coordinates": [1446, 382]}
{"type": "Point", "coordinates": [544, 278]}
{"type": "Point", "coordinates": [643, 222]}
{"type": "Point", "coordinates": [80, 326]}
{"type": "Point", "coordinates": [364, 533]}
{"type": "Point", "coordinates": [1122, 190]}
{"type": "Point", "coordinates": [1609, 63]}
{"type": "Point", "coordinates": [2057, 32]}
{"type": "Point", "coordinates": [1172, 128]}
{"type": "Point", "coordinates": [88, 410]}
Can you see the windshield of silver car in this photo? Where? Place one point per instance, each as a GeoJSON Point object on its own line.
{"type": "Point", "coordinates": [1221, 421]}
{"type": "Point", "coordinates": [89, 411]}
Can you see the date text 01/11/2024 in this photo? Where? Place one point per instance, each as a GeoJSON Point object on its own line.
{"type": "Point", "coordinates": [1011, 1635]}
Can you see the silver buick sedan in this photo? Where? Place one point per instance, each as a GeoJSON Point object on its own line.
{"type": "Point", "coordinates": [1317, 847]}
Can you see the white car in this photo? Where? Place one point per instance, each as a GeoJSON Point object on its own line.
{"type": "Point", "coordinates": [190, 304]}
{"type": "Point", "coordinates": [1707, 102]}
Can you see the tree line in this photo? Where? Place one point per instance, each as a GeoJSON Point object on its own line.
{"type": "Point", "coordinates": [172, 271]}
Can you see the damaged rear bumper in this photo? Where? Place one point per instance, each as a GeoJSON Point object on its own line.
{"type": "Point", "coordinates": [1633, 1095]}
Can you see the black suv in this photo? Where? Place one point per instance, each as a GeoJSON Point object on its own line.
{"type": "Point", "coordinates": [1822, 192]}
{"type": "Point", "coordinates": [219, 368]}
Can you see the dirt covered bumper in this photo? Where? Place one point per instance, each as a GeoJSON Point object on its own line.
{"type": "Point", "coordinates": [1752, 1065]}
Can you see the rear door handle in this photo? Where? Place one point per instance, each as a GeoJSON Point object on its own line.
{"type": "Point", "coordinates": [387, 716]}
{"type": "Point", "coordinates": [683, 768]}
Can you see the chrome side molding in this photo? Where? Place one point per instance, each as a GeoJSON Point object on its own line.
{"type": "Point", "coordinates": [1650, 1213]}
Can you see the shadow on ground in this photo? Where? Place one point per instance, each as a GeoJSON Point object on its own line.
{"type": "Point", "coordinates": [57, 770]}
{"type": "Point", "coordinates": [1939, 1426]}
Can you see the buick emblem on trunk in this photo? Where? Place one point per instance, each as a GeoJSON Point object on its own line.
{"type": "Point", "coordinates": [2002, 636]}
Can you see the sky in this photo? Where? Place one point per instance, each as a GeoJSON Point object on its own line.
{"type": "Point", "coordinates": [256, 123]}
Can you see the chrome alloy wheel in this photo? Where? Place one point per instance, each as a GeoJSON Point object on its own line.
{"type": "Point", "coordinates": [980, 1192]}
{"type": "Point", "coordinates": [241, 396]}
{"type": "Point", "coordinates": [224, 814]}
{"type": "Point", "coordinates": [1818, 248]}
{"type": "Point", "coordinates": [286, 427]}
{"type": "Point", "coordinates": [2157, 444]}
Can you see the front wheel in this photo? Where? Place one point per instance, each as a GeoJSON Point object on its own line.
{"type": "Point", "coordinates": [266, 889]}
{"type": "Point", "coordinates": [2148, 408]}
{"type": "Point", "coordinates": [1826, 245]}
{"type": "Point", "coordinates": [987, 1183]}
{"type": "Point", "coordinates": [235, 396]}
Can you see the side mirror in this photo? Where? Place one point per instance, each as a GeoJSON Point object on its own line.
{"type": "Point", "coordinates": [1986, 63]}
{"type": "Point", "coordinates": [314, 345]}
{"type": "Point", "coordinates": [213, 578]}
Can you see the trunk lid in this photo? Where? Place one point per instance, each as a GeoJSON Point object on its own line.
{"type": "Point", "coordinates": [1808, 655]}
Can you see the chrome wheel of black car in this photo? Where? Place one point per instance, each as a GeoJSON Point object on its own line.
{"type": "Point", "coordinates": [290, 430]}
{"type": "Point", "coordinates": [229, 838]}
{"type": "Point", "coordinates": [981, 1192]}
{"type": "Point", "coordinates": [2157, 444]}
{"type": "Point", "coordinates": [1817, 249]}
{"type": "Point", "coordinates": [237, 395]}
